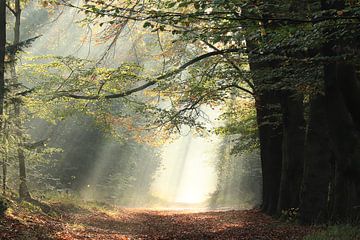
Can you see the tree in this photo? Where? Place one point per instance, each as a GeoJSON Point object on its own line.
{"type": "Point", "coordinates": [2, 75]}
{"type": "Point", "coordinates": [291, 57]}
{"type": "Point", "coordinates": [24, 192]}
{"type": "Point", "coordinates": [2, 54]}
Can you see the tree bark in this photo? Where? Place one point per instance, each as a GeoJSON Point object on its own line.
{"type": "Point", "coordinates": [342, 90]}
{"type": "Point", "coordinates": [270, 136]}
{"type": "Point", "coordinates": [24, 193]}
{"type": "Point", "coordinates": [292, 151]}
{"type": "Point", "coordinates": [293, 144]}
{"type": "Point", "coordinates": [345, 138]}
{"type": "Point", "coordinates": [2, 56]}
{"type": "Point", "coordinates": [268, 110]}
{"type": "Point", "coordinates": [4, 158]}
{"type": "Point", "coordinates": [4, 177]}
{"type": "Point", "coordinates": [2, 77]}
{"type": "Point", "coordinates": [317, 165]}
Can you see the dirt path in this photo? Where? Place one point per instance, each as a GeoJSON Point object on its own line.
{"type": "Point", "coordinates": [144, 224]}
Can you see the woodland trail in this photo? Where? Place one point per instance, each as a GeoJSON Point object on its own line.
{"type": "Point", "coordinates": [126, 224]}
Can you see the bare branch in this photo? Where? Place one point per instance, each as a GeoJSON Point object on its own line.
{"type": "Point", "coordinates": [10, 9]}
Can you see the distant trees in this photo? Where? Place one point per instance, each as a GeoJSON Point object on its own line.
{"type": "Point", "coordinates": [13, 136]}
{"type": "Point", "coordinates": [31, 155]}
{"type": "Point", "coordinates": [94, 165]}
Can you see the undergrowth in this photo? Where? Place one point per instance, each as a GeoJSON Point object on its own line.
{"type": "Point", "coordinates": [337, 232]}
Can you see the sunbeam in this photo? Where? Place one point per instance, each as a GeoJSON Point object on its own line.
{"type": "Point", "coordinates": [188, 176]}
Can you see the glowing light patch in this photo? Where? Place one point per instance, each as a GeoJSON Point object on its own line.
{"type": "Point", "coordinates": [188, 175]}
{"type": "Point", "coordinates": [198, 179]}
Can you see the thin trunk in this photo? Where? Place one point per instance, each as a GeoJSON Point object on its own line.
{"type": "Point", "coordinates": [24, 192]}
{"type": "Point", "coordinates": [2, 56]}
{"type": "Point", "coordinates": [4, 177]}
{"type": "Point", "coordinates": [17, 23]}
{"type": "Point", "coordinates": [2, 76]}
{"type": "Point", "coordinates": [4, 157]}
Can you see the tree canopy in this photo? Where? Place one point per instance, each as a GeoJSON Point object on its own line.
{"type": "Point", "coordinates": [284, 74]}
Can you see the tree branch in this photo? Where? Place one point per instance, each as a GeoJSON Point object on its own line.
{"type": "Point", "coordinates": [26, 92]}
{"type": "Point", "coordinates": [156, 15]}
{"type": "Point", "coordinates": [37, 144]}
{"type": "Point", "coordinates": [239, 87]}
{"type": "Point", "coordinates": [232, 63]}
{"type": "Point", "coordinates": [11, 10]}
{"type": "Point", "coordinates": [152, 83]}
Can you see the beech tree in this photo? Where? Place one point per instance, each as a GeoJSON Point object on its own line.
{"type": "Point", "coordinates": [298, 62]}
{"type": "Point", "coordinates": [302, 78]}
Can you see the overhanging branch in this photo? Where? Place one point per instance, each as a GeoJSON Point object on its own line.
{"type": "Point", "coordinates": [152, 83]}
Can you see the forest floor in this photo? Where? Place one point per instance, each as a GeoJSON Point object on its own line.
{"type": "Point", "coordinates": [69, 222]}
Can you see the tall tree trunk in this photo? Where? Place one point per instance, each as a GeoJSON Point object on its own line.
{"type": "Point", "coordinates": [350, 89]}
{"type": "Point", "coordinates": [270, 135]}
{"type": "Point", "coordinates": [2, 56]}
{"type": "Point", "coordinates": [317, 165]}
{"type": "Point", "coordinates": [24, 192]}
{"type": "Point", "coordinates": [2, 77]}
{"type": "Point", "coordinates": [345, 138]}
{"type": "Point", "coordinates": [293, 134]}
{"type": "Point", "coordinates": [342, 90]}
{"type": "Point", "coordinates": [269, 123]}
{"type": "Point", "coordinates": [270, 129]}
{"type": "Point", "coordinates": [293, 150]}
{"type": "Point", "coordinates": [4, 157]}
{"type": "Point", "coordinates": [4, 177]}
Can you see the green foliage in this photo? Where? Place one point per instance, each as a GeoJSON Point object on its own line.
{"type": "Point", "coordinates": [337, 232]}
{"type": "Point", "coordinates": [282, 41]}
{"type": "Point", "coordinates": [239, 116]}
{"type": "Point", "coordinates": [284, 38]}
{"type": "Point", "coordinates": [95, 164]}
{"type": "Point", "coordinates": [238, 178]}
{"type": "Point", "coordinates": [67, 86]}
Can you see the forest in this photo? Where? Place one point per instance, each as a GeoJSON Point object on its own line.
{"type": "Point", "coordinates": [180, 119]}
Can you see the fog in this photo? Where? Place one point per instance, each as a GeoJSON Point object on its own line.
{"type": "Point", "coordinates": [181, 173]}
{"type": "Point", "coordinates": [189, 176]}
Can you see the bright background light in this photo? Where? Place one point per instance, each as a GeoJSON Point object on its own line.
{"type": "Point", "coordinates": [188, 173]}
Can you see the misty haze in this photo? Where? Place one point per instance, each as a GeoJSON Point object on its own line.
{"type": "Point", "coordinates": [179, 119]}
